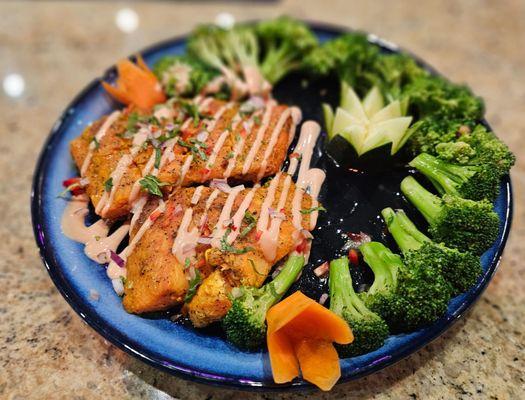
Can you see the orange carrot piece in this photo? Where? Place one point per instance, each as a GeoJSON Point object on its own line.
{"type": "Point", "coordinates": [319, 362]}
{"type": "Point", "coordinates": [136, 85]}
{"type": "Point", "coordinates": [300, 333]}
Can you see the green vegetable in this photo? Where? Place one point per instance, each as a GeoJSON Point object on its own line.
{"type": "Point", "coordinates": [461, 270]}
{"type": "Point", "coordinates": [285, 41]}
{"type": "Point", "coordinates": [193, 286]}
{"type": "Point", "coordinates": [228, 248]}
{"type": "Point", "coordinates": [311, 210]}
{"type": "Point", "coordinates": [195, 147]}
{"type": "Point", "coordinates": [433, 95]}
{"type": "Point", "coordinates": [368, 328]}
{"type": "Point", "coordinates": [251, 221]}
{"type": "Point", "coordinates": [459, 223]}
{"type": "Point", "coordinates": [475, 182]}
{"type": "Point", "coordinates": [183, 75]}
{"type": "Point", "coordinates": [407, 296]}
{"type": "Point", "coordinates": [367, 124]}
{"type": "Point", "coordinates": [108, 185]}
{"type": "Point", "coordinates": [152, 184]}
{"type": "Point", "coordinates": [244, 323]}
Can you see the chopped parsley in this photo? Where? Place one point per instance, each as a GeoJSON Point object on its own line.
{"type": "Point", "coordinates": [158, 155]}
{"type": "Point", "coordinates": [251, 221]}
{"type": "Point", "coordinates": [195, 147]}
{"type": "Point", "coordinates": [228, 248]}
{"type": "Point", "coordinates": [231, 154]}
{"type": "Point", "coordinates": [169, 135]}
{"type": "Point", "coordinates": [152, 185]}
{"type": "Point", "coordinates": [311, 210]}
{"type": "Point", "coordinates": [193, 286]}
{"type": "Point", "coordinates": [186, 263]}
{"type": "Point", "coordinates": [193, 111]}
{"type": "Point", "coordinates": [108, 185]}
{"type": "Point", "coordinates": [257, 119]}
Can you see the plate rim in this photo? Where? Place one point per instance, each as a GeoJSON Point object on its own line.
{"type": "Point", "coordinates": [90, 317]}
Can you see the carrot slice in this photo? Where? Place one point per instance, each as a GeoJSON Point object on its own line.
{"type": "Point", "coordinates": [300, 333]}
{"type": "Point", "coordinates": [136, 85]}
{"type": "Point", "coordinates": [319, 362]}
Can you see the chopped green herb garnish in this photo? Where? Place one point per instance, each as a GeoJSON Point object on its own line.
{"type": "Point", "coordinates": [257, 119]}
{"type": "Point", "coordinates": [186, 263]}
{"type": "Point", "coordinates": [311, 210]}
{"type": "Point", "coordinates": [231, 154]}
{"type": "Point", "coordinates": [195, 147]}
{"type": "Point", "coordinates": [95, 142]}
{"type": "Point", "coordinates": [228, 248]}
{"type": "Point", "coordinates": [193, 286]}
{"type": "Point", "coordinates": [158, 155]}
{"type": "Point", "coordinates": [169, 135]}
{"type": "Point", "coordinates": [108, 185]}
{"type": "Point", "coordinates": [193, 111]}
{"type": "Point", "coordinates": [251, 221]}
{"type": "Point", "coordinates": [152, 185]}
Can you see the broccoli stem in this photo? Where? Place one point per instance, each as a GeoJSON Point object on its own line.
{"type": "Point", "coordinates": [342, 294]}
{"type": "Point", "coordinates": [428, 204]}
{"type": "Point", "coordinates": [405, 233]}
{"type": "Point", "coordinates": [286, 277]}
{"type": "Point", "coordinates": [384, 265]}
{"type": "Point", "coordinates": [444, 176]}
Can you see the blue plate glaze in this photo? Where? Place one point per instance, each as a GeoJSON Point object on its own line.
{"type": "Point", "coordinates": [176, 348]}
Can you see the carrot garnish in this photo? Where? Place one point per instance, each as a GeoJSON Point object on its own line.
{"type": "Point", "coordinates": [136, 85]}
{"type": "Point", "coordinates": [300, 336]}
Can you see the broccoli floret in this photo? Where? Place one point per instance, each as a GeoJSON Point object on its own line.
{"type": "Point", "coordinates": [433, 95]}
{"type": "Point", "coordinates": [348, 56]}
{"type": "Point", "coordinates": [285, 42]}
{"type": "Point", "coordinates": [489, 150]}
{"type": "Point", "coordinates": [475, 182]}
{"type": "Point", "coordinates": [463, 224]}
{"type": "Point", "coordinates": [368, 328]}
{"type": "Point", "coordinates": [244, 323]}
{"type": "Point", "coordinates": [460, 269]}
{"type": "Point", "coordinates": [459, 152]}
{"type": "Point", "coordinates": [431, 131]}
{"type": "Point", "coordinates": [233, 52]}
{"type": "Point", "coordinates": [183, 75]}
{"type": "Point", "coordinates": [407, 296]}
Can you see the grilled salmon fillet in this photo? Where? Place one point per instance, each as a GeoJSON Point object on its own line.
{"type": "Point", "coordinates": [227, 239]}
{"type": "Point", "coordinates": [180, 144]}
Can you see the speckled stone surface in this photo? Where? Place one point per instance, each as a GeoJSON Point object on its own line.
{"type": "Point", "coordinates": [46, 352]}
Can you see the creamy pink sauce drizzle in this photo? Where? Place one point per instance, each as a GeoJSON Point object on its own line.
{"type": "Point", "coordinates": [239, 145]}
{"type": "Point", "coordinates": [220, 229]}
{"type": "Point", "coordinates": [207, 206]}
{"type": "Point", "coordinates": [259, 137]}
{"type": "Point", "coordinates": [239, 214]}
{"type": "Point", "coordinates": [295, 113]}
{"type": "Point", "coordinates": [98, 136]}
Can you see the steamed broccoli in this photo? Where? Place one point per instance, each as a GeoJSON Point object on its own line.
{"type": "Point", "coordinates": [368, 328]}
{"type": "Point", "coordinates": [244, 323]}
{"type": "Point", "coordinates": [461, 270]}
{"type": "Point", "coordinates": [348, 56]}
{"type": "Point", "coordinates": [408, 296]}
{"type": "Point", "coordinates": [459, 223]}
{"type": "Point", "coordinates": [431, 131]}
{"type": "Point", "coordinates": [183, 75]}
{"type": "Point", "coordinates": [475, 182]}
{"type": "Point", "coordinates": [285, 41]}
{"type": "Point", "coordinates": [434, 95]}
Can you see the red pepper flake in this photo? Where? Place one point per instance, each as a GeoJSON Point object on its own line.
{"type": "Point", "coordinates": [294, 155]}
{"type": "Point", "coordinates": [234, 228]}
{"type": "Point", "coordinates": [302, 246]}
{"type": "Point", "coordinates": [258, 235]}
{"type": "Point", "coordinates": [205, 171]}
{"type": "Point", "coordinates": [208, 151]}
{"type": "Point", "coordinates": [353, 256]}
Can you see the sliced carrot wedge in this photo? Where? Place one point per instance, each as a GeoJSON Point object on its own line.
{"type": "Point", "coordinates": [285, 366]}
{"type": "Point", "coordinates": [300, 335]}
{"type": "Point", "coordinates": [136, 85]}
{"type": "Point", "coordinates": [319, 362]}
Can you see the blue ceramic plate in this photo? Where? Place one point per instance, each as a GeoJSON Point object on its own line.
{"type": "Point", "coordinates": [353, 202]}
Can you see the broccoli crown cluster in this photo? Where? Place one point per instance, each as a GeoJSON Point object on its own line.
{"type": "Point", "coordinates": [368, 328]}
{"type": "Point", "coordinates": [183, 75]}
{"type": "Point", "coordinates": [407, 295]}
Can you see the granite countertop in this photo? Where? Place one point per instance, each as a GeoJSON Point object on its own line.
{"type": "Point", "coordinates": [57, 47]}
